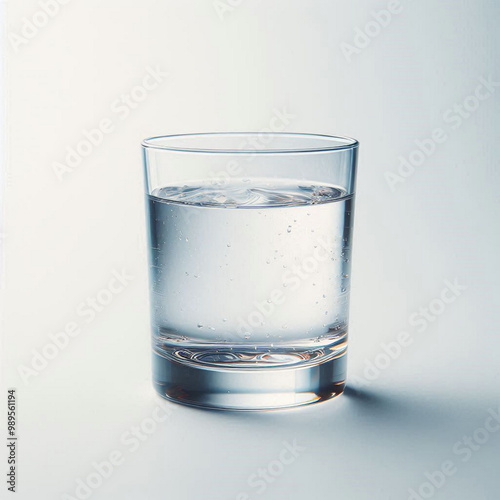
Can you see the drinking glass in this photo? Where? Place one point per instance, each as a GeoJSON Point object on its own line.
{"type": "Point", "coordinates": [250, 265]}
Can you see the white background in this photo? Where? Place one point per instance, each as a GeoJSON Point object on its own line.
{"type": "Point", "coordinates": [64, 235]}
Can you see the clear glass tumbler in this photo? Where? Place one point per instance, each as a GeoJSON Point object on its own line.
{"type": "Point", "coordinates": [250, 247]}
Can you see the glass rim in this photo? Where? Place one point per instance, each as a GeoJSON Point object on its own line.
{"type": "Point", "coordinates": [331, 143]}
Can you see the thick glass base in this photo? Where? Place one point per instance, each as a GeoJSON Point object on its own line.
{"type": "Point", "coordinates": [249, 388]}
